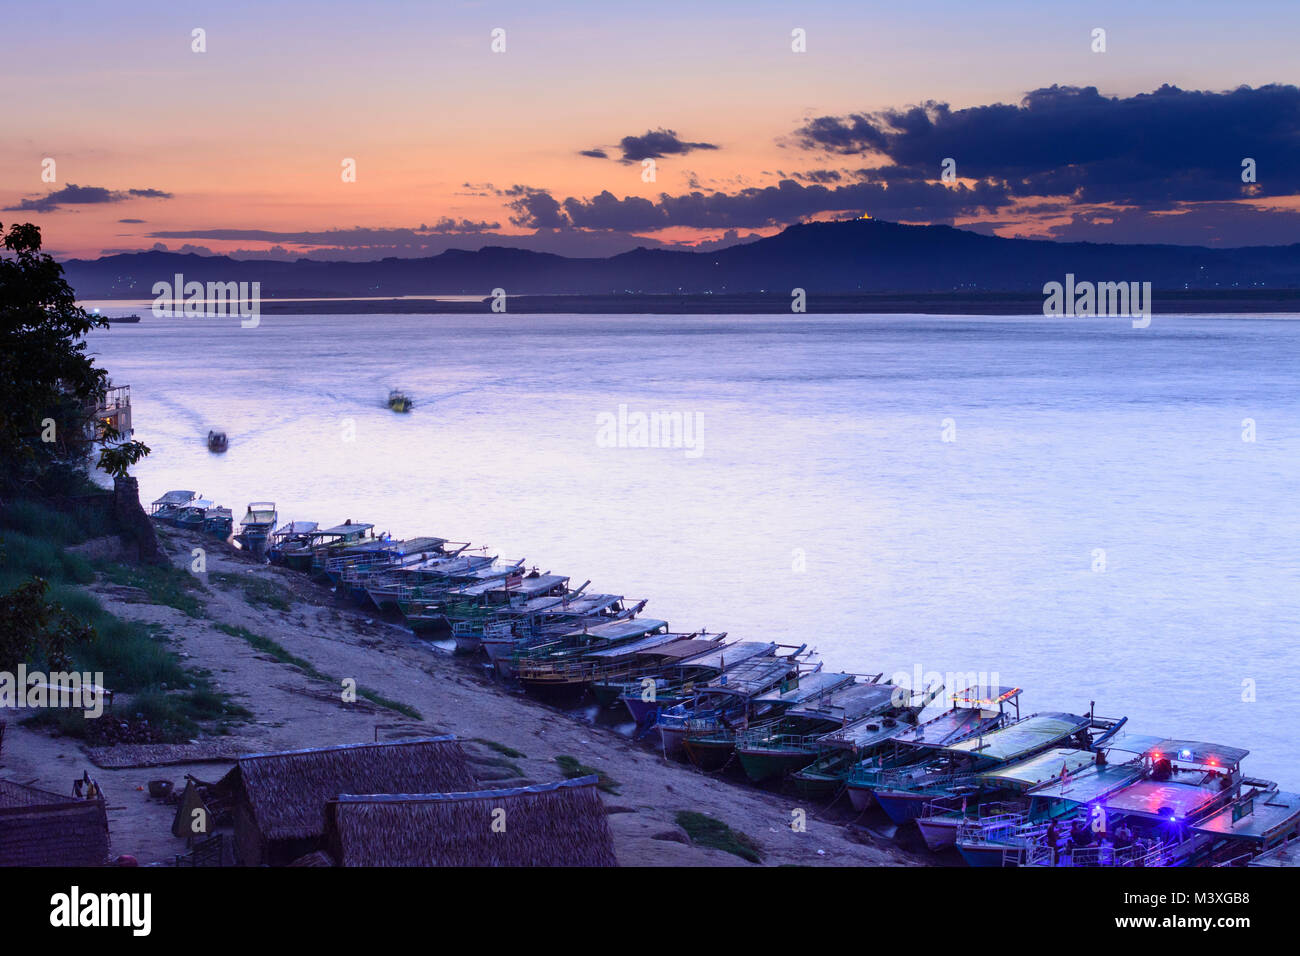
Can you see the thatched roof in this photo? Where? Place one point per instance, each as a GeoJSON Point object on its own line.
{"type": "Point", "coordinates": [554, 824]}
{"type": "Point", "coordinates": [39, 828]}
{"type": "Point", "coordinates": [287, 791]}
{"type": "Point", "coordinates": [319, 858]}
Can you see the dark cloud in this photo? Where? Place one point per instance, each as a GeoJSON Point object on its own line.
{"type": "Point", "coordinates": [74, 195]}
{"type": "Point", "coordinates": [656, 144]}
{"type": "Point", "coordinates": [1155, 149]}
{"type": "Point", "coordinates": [594, 153]}
{"type": "Point", "coordinates": [1196, 224]}
{"type": "Point", "coordinates": [818, 176]}
{"type": "Point", "coordinates": [758, 207]}
{"type": "Point", "coordinates": [535, 209]}
{"type": "Point", "coordinates": [131, 221]}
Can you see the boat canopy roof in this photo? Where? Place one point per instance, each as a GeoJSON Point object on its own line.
{"type": "Point", "coordinates": [218, 512]}
{"type": "Point", "coordinates": [864, 733]}
{"type": "Point", "coordinates": [1091, 783]}
{"type": "Point", "coordinates": [720, 658]}
{"type": "Point", "coordinates": [176, 498]}
{"type": "Point", "coordinates": [416, 545]}
{"type": "Point", "coordinates": [1022, 738]}
{"type": "Point", "coordinates": [1194, 751]}
{"type": "Point", "coordinates": [1057, 763]}
{"type": "Point", "coordinates": [952, 725]}
{"type": "Point", "coordinates": [340, 530]}
{"type": "Point", "coordinates": [295, 527]}
{"type": "Point", "coordinates": [1131, 743]}
{"type": "Point", "coordinates": [530, 586]}
{"type": "Point", "coordinates": [559, 604]}
{"type": "Point", "coordinates": [851, 702]}
{"type": "Point", "coordinates": [752, 676]}
{"type": "Point", "coordinates": [620, 630]}
{"type": "Point", "coordinates": [1288, 854]}
{"type": "Point", "coordinates": [1260, 818]}
{"type": "Point", "coordinates": [686, 648]}
{"type": "Point", "coordinates": [638, 646]}
{"type": "Point", "coordinates": [444, 564]}
{"type": "Point", "coordinates": [989, 698]}
{"type": "Point", "coordinates": [490, 572]}
{"type": "Point", "coordinates": [260, 512]}
{"type": "Point", "coordinates": [203, 503]}
{"type": "Point", "coordinates": [808, 687]}
{"type": "Point", "coordinates": [1151, 797]}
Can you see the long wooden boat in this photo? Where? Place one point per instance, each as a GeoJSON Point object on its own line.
{"type": "Point", "coordinates": [711, 748]}
{"type": "Point", "coordinates": [423, 605]}
{"type": "Point", "coordinates": [190, 516]}
{"type": "Point", "coordinates": [563, 668]}
{"type": "Point", "coordinates": [468, 608]}
{"type": "Point", "coordinates": [1188, 804]}
{"type": "Point", "coordinates": [389, 587]}
{"type": "Point", "coordinates": [904, 792]}
{"type": "Point", "coordinates": [839, 750]}
{"type": "Point", "coordinates": [726, 702]}
{"type": "Point", "coordinates": [975, 711]}
{"type": "Point", "coordinates": [256, 527]}
{"type": "Point", "coordinates": [645, 664]}
{"type": "Point", "coordinates": [1019, 798]}
{"type": "Point", "coordinates": [169, 505]}
{"type": "Point", "coordinates": [505, 647]}
{"type": "Point", "coordinates": [287, 536]}
{"type": "Point", "coordinates": [352, 569]}
{"type": "Point", "coordinates": [219, 521]}
{"type": "Point", "coordinates": [313, 552]}
{"type": "Point", "coordinates": [790, 743]}
{"type": "Point", "coordinates": [676, 681]}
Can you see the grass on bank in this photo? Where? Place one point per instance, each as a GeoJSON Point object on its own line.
{"type": "Point", "coordinates": [571, 767]}
{"type": "Point", "coordinates": [500, 748]}
{"type": "Point", "coordinates": [165, 585]}
{"type": "Point", "coordinates": [281, 654]}
{"type": "Point", "coordinates": [258, 592]}
{"type": "Point", "coordinates": [132, 656]}
{"type": "Point", "coordinates": [708, 831]}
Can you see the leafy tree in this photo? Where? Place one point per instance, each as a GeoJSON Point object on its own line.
{"type": "Point", "coordinates": [48, 384]}
{"type": "Point", "coordinates": [33, 629]}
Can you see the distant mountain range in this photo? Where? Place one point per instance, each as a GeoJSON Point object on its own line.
{"type": "Point", "coordinates": [853, 257]}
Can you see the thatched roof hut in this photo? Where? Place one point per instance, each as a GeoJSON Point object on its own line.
{"type": "Point", "coordinates": [280, 797]}
{"type": "Point", "coordinates": [39, 828]}
{"type": "Point", "coordinates": [554, 824]}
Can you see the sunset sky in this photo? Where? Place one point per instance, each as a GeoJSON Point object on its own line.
{"type": "Point", "coordinates": [239, 148]}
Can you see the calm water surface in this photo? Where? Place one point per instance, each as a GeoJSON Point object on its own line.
{"type": "Point", "coordinates": [824, 505]}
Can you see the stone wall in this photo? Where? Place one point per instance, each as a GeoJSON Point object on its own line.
{"type": "Point", "coordinates": [134, 524]}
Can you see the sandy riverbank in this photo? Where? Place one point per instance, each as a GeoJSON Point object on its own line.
{"type": "Point", "coordinates": [292, 710]}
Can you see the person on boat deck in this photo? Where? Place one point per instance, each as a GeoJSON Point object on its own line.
{"type": "Point", "coordinates": [1123, 836]}
{"type": "Point", "coordinates": [1080, 833]}
{"type": "Point", "coordinates": [1053, 838]}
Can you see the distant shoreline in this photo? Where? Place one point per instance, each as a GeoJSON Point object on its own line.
{"type": "Point", "coordinates": [1253, 302]}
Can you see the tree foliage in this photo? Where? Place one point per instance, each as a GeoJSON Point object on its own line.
{"type": "Point", "coordinates": [33, 629]}
{"type": "Point", "coordinates": [49, 385]}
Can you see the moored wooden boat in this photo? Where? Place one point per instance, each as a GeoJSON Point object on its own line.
{"type": "Point", "coordinates": [974, 711]}
{"type": "Point", "coordinates": [256, 527]}
{"type": "Point", "coordinates": [219, 521]}
{"type": "Point", "coordinates": [711, 748]}
{"type": "Point", "coordinates": [791, 743]}
{"type": "Point", "coordinates": [190, 517]}
{"type": "Point", "coordinates": [169, 505]}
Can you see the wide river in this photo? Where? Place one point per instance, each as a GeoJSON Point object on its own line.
{"type": "Point", "coordinates": [1083, 509]}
